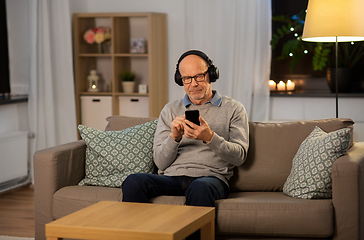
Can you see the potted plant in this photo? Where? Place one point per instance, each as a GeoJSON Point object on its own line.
{"type": "Point", "coordinates": [349, 54]}
{"type": "Point", "coordinates": [290, 32]}
{"type": "Point", "coordinates": [127, 80]}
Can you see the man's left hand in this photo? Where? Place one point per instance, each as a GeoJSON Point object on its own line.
{"type": "Point", "coordinates": [202, 132]}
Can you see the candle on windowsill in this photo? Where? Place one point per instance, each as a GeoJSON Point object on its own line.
{"type": "Point", "coordinates": [272, 85]}
{"type": "Point", "coordinates": [290, 85]}
{"type": "Point", "coordinates": [281, 86]}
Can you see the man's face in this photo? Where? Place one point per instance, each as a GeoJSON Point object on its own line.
{"type": "Point", "coordinates": [198, 92]}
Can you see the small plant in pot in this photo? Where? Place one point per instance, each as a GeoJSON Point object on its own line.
{"type": "Point", "coordinates": [127, 81]}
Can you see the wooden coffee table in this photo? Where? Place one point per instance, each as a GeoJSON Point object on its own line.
{"type": "Point", "coordinates": [120, 220]}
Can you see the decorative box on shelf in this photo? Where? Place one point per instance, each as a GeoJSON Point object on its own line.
{"type": "Point", "coordinates": [138, 45]}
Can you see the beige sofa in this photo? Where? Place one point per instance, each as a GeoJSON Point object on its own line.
{"type": "Point", "coordinates": [256, 207]}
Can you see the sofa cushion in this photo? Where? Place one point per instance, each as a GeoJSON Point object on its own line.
{"type": "Point", "coordinates": [113, 155]}
{"type": "Point", "coordinates": [73, 198]}
{"type": "Point", "coordinates": [116, 122]}
{"type": "Point", "coordinates": [272, 147]}
{"type": "Point", "coordinates": [274, 214]}
{"type": "Point", "coordinates": [310, 176]}
{"type": "Point", "coordinates": [173, 200]}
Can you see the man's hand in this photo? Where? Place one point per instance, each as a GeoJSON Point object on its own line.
{"type": "Point", "coordinates": [194, 131]}
{"type": "Point", "coordinates": [177, 128]}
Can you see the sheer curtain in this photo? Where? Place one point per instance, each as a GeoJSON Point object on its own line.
{"type": "Point", "coordinates": [52, 114]}
{"type": "Point", "coordinates": [236, 35]}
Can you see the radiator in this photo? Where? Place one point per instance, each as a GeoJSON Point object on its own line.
{"type": "Point", "coordinates": [13, 158]}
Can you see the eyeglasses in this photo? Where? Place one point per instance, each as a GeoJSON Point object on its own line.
{"type": "Point", "coordinates": [198, 78]}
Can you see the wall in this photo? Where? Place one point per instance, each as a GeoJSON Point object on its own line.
{"type": "Point", "coordinates": [311, 108]}
{"type": "Point", "coordinates": [14, 117]}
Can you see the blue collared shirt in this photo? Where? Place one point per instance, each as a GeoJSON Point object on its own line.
{"type": "Point", "coordinates": [216, 100]}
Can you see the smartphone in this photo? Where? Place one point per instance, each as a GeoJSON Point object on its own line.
{"type": "Point", "coordinates": [193, 116]}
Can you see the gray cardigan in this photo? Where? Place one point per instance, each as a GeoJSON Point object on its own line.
{"type": "Point", "coordinates": [189, 157]}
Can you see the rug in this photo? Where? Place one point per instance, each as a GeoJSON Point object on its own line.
{"type": "Point", "coordinates": [14, 238]}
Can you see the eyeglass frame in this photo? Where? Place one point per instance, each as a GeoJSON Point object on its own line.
{"type": "Point", "coordinates": [195, 77]}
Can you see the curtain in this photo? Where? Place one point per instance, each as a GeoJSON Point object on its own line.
{"type": "Point", "coordinates": [236, 35]}
{"type": "Point", "coordinates": [52, 114]}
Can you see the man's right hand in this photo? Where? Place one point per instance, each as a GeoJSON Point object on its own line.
{"type": "Point", "coordinates": [177, 130]}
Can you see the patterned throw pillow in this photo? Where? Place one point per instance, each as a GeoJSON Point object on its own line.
{"type": "Point", "coordinates": [113, 155]}
{"type": "Point", "coordinates": [310, 175]}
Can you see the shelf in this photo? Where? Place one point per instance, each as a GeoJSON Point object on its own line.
{"type": "Point", "coordinates": [10, 99]}
{"type": "Point", "coordinates": [150, 68]}
{"type": "Point", "coordinates": [95, 93]}
{"type": "Point", "coordinates": [115, 55]}
{"type": "Point", "coordinates": [130, 55]}
{"type": "Point", "coordinates": [110, 94]}
{"type": "Point", "coordinates": [95, 55]}
{"type": "Point", "coordinates": [133, 94]}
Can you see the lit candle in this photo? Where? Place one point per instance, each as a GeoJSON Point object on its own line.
{"type": "Point", "coordinates": [281, 86]}
{"type": "Point", "coordinates": [290, 85]}
{"type": "Point", "coordinates": [272, 85]}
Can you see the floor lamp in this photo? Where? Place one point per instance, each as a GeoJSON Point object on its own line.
{"type": "Point", "coordinates": [334, 21]}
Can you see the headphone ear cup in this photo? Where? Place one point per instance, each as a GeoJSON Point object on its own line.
{"type": "Point", "coordinates": [217, 73]}
{"type": "Point", "coordinates": [177, 78]}
{"type": "Point", "coordinates": [213, 73]}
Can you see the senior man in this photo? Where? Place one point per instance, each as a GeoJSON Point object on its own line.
{"type": "Point", "coordinates": [194, 160]}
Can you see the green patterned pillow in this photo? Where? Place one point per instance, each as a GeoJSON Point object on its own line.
{"type": "Point", "coordinates": [310, 175]}
{"type": "Point", "coordinates": [113, 155]}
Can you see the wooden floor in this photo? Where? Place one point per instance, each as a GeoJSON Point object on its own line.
{"type": "Point", "coordinates": [17, 212]}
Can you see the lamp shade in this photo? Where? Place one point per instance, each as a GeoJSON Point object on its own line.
{"type": "Point", "coordinates": [328, 19]}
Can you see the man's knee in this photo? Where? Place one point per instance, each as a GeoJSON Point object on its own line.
{"type": "Point", "coordinates": [134, 181]}
{"type": "Point", "coordinates": [135, 188]}
{"type": "Point", "coordinates": [200, 193]}
{"type": "Point", "coordinates": [204, 191]}
{"type": "Point", "coordinates": [199, 185]}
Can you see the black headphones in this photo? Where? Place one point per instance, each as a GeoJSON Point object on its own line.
{"type": "Point", "coordinates": [212, 70]}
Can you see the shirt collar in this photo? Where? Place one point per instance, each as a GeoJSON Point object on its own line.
{"type": "Point", "coordinates": [216, 100]}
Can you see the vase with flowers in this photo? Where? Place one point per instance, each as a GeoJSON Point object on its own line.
{"type": "Point", "coordinates": [97, 35]}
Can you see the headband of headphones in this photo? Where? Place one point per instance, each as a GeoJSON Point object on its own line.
{"type": "Point", "coordinates": [212, 70]}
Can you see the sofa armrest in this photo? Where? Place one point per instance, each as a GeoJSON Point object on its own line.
{"type": "Point", "coordinates": [55, 168]}
{"type": "Point", "coordinates": [348, 193]}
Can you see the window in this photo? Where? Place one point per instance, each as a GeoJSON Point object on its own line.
{"type": "Point", "coordinates": [4, 54]}
{"type": "Point", "coordinates": [310, 81]}
{"type": "Point", "coordinates": [281, 68]}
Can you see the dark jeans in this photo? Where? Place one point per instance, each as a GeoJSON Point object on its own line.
{"type": "Point", "coordinates": [199, 191]}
